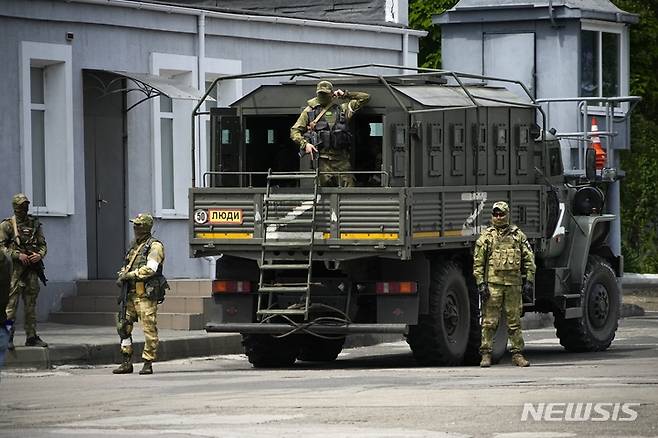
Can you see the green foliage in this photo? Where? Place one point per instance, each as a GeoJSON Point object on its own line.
{"type": "Point", "coordinates": [639, 197]}
{"type": "Point", "coordinates": [420, 17]}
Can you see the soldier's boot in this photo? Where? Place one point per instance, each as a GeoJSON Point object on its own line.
{"type": "Point", "coordinates": [147, 368]}
{"type": "Point", "coordinates": [519, 360]}
{"type": "Point", "coordinates": [126, 366]}
{"type": "Point", "coordinates": [486, 361]}
{"type": "Point", "coordinates": [35, 341]}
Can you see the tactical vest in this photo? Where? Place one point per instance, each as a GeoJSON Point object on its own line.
{"type": "Point", "coordinates": [142, 258]}
{"type": "Point", "coordinates": [27, 233]}
{"type": "Point", "coordinates": [156, 286]}
{"type": "Point", "coordinates": [336, 136]}
{"type": "Point", "coordinates": [503, 257]}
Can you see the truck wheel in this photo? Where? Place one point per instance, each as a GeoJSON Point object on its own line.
{"type": "Point", "coordinates": [600, 295]}
{"type": "Point", "coordinates": [265, 351]}
{"type": "Point", "coordinates": [472, 355]}
{"type": "Point", "coordinates": [440, 338]}
{"type": "Point", "coordinates": [316, 349]}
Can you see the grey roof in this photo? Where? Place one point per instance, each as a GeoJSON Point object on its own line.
{"type": "Point", "coordinates": [442, 96]}
{"type": "Point", "coordinates": [588, 5]}
{"type": "Point", "coordinates": [519, 10]}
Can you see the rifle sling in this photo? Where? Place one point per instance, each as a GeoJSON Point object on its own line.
{"type": "Point", "coordinates": [319, 116]}
{"type": "Point", "coordinates": [135, 254]}
{"type": "Point", "coordinates": [13, 224]}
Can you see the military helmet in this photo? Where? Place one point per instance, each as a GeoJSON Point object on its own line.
{"type": "Point", "coordinates": [500, 206]}
{"type": "Point", "coordinates": [143, 219]}
{"type": "Point", "coordinates": [325, 87]}
{"type": "Point", "coordinates": [19, 199]}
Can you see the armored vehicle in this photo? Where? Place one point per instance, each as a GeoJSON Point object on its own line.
{"type": "Point", "coordinates": [301, 266]}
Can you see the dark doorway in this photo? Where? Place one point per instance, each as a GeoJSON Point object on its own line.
{"type": "Point", "coordinates": [104, 134]}
{"type": "Point", "coordinates": [268, 145]}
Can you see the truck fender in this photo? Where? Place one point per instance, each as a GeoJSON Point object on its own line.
{"type": "Point", "coordinates": [581, 235]}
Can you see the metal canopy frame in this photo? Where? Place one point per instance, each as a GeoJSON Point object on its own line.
{"type": "Point", "coordinates": [148, 85]}
{"type": "Point", "coordinates": [352, 72]}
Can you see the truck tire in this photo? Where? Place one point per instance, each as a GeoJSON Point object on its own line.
{"type": "Point", "coordinates": [314, 349]}
{"type": "Point", "coordinates": [441, 337]}
{"type": "Point", "coordinates": [600, 296]}
{"type": "Point", "coordinates": [265, 351]}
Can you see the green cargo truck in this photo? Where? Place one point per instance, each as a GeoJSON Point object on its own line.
{"type": "Point", "coordinates": [301, 266]}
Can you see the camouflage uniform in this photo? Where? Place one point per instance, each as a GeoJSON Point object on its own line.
{"type": "Point", "coordinates": [24, 280]}
{"type": "Point", "coordinates": [144, 260]}
{"type": "Point", "coordinates": [503, 260]}
{"type": "Point", "coordinates": [5, 281]}
{"type": "Point", "coordinates": [331, 159]}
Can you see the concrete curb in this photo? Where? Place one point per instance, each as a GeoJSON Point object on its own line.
{"type": "Point", "coordinates": [632, 280]}
{"type": "Point", "coordinates": [102, 354]}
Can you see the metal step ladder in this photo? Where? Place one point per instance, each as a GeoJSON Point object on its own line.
{"type": "Point", "coordinates": [267, 292]}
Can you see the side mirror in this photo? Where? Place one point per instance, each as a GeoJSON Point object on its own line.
{"type": "Point", "coordinates": [590, 164]}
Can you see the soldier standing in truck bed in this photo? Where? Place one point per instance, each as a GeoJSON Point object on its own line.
{"type": "Point", "coordinates": [324, 125]}
{"type": "Point", "coordinates": [23, 240]}
{"type": "Point", "coordinates": [504, 270]}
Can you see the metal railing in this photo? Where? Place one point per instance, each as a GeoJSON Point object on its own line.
{"type": "Point", "coordinates": [613, 113]}
{"type": "Point", "coordinates": [385, 176]}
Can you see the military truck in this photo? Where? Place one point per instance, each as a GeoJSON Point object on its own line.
{"type": "Point", "coordinates": [302, 266]}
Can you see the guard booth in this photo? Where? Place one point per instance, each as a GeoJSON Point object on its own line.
{"type": "Point", "coordinates": [572, 55]}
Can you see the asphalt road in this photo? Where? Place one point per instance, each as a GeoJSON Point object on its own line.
{"type": "Point", "coordinates": [376, 392]}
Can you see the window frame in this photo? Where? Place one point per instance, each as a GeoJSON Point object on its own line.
{"type": "Point", "coordinates": [601, 27]}
{"type": "Point", "coordinates": [56, 61]}
{"type": "Point", "coordinates": [184, 69]}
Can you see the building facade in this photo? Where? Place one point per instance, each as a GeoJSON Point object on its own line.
{"type": "Point", "coordinates": [84, 141]}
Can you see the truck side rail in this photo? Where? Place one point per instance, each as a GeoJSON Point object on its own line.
{"type": "Point", "coordinates": [206, 178]}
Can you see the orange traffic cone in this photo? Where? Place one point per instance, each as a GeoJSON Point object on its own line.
{"type": "Point", "coordinates": [596, 144]}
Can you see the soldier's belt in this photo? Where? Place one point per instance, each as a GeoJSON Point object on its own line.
{"type": "Point", "coordinates": [139, 288]}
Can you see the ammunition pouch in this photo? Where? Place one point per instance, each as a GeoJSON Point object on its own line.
{"type": "Point", "coordinates": [341, 139]}
{"type": "Point", "coordinates": [155, 288]}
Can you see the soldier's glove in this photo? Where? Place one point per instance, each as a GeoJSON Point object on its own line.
{"type": "Point", "coordinates": [131, 275]}
{"type": "Point", "coordinates": [527, 291]}
{"type": "Point", "coordinates": [125, 276]}
{"type": "Point", "coordinates": [483, 290]}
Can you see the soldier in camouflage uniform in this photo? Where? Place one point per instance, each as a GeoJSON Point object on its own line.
{"type": "Point", "coordinates": [504, 270]}
{"type": "Point", "coordinates": [22, 238]}
{"type": "Point", "coordinates": [143, 263]}
{"type": "Point", "coordinates": [328, 121]}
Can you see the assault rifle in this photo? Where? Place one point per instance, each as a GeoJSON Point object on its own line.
{"type": "Point", "coordinates": [123, 302]}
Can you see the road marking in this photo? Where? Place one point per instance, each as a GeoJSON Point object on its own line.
{"type": "Point", "coordinates": [534, 435]}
